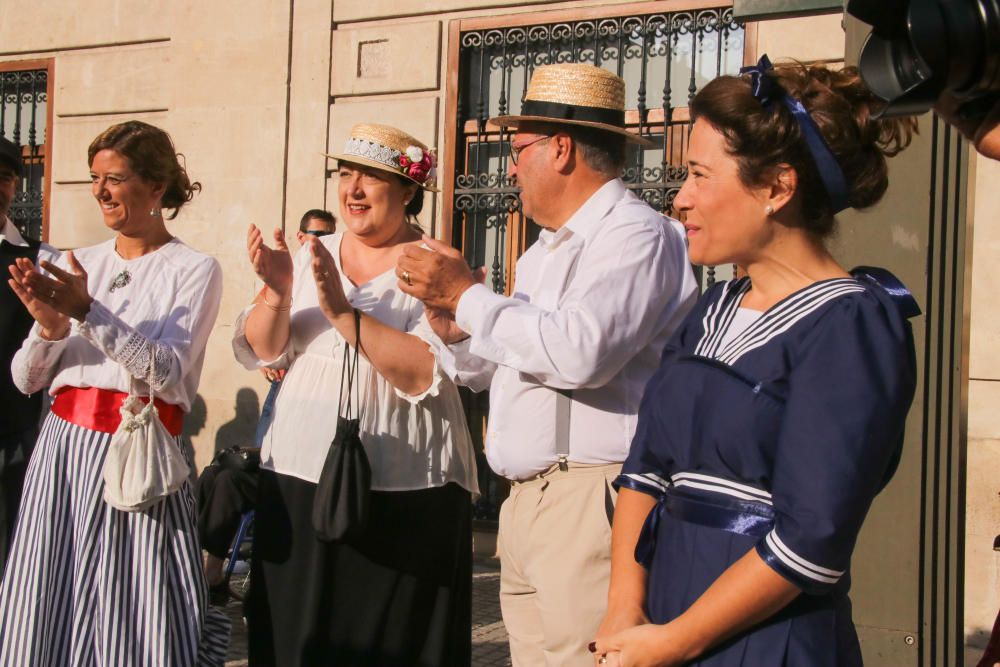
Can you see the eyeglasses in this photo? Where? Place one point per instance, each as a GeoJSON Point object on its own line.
{"type": "Point", "coordinates": [109, 179]}
{"type": "Point", "coordinates": [515, 151]}
{"type": "Point", "coordinates": [318, 233]}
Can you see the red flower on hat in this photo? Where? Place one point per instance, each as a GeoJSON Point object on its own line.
{"type": "Point", "coordinates": [418, 170]}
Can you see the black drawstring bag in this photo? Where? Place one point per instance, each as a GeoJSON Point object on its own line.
{"type": "Point", "coordinates": [340, 509]}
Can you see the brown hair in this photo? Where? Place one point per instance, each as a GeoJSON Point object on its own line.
{"type": "Point", "coordinates": [151, 155]}
{"type": "Point", "coordinates": [763, 137]}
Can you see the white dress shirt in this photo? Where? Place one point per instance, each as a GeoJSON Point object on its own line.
{"type": "Point", "coordinates": [167, 310]}
{"type": "Point", "coordinates": [593, 306]}
{"type": "Point", "coordinates": [12, 236]}
{"type": "Point", "coordinates": [412, 441]}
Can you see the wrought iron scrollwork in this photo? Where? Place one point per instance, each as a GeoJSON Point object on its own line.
{"type": "Point", "coordinates": [23, 103]}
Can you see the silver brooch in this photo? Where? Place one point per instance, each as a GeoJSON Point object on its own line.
{"type": "Point", "coordinates": [121, 280]}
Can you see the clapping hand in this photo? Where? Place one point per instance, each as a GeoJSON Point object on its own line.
{"type": "Point", "coordinates": [273, 266]}
{"type": "Point", "coordinates": [443, 322]}
{"type": "Point", "coordinates": [52, 300]}
{"type": "Point", "coordinates": [332, 300]}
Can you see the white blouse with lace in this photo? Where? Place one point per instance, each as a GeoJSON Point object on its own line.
{"type": "Point", "coordinates": [412, 442]}
{"type": "Point", "coordinates": [166, 308]}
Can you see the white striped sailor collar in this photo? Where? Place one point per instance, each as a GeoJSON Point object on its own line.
{"type": "Point", "coordinates": [775, 321]}
{"type": "Point", "coordinates": [586, 219]}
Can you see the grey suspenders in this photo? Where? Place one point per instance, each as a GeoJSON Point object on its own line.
{"type": "Point", "coordinates": [564, 405]}
{"type": "Point", "coordinates": [564, 397]}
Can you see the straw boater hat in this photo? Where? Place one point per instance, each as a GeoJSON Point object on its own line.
{"type": "Point", "coordinates": [392, 150]}
{"type": "Point", "coordinates": [575, 94]}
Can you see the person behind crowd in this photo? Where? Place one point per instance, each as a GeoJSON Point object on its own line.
{"type": "Point", "coordinates": [400, 594]}
{"type": "Point", "coordinates": [566, 355]}
{"type": "Point", "coordinates": [87, 583]}
{"type": "Point", "coordinates": [778, 410]}
{"type": "Point", "coordinates": [19, 413]}
{"type": "Point", "coordinates": [225, 495]}
{"type": "Point", "coordinates": [315, 222]}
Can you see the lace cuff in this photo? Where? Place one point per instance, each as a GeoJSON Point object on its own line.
{"type": "Point", "coordinates": [128, 347]}
{"type": "Point", "coordinates": [245, 354]}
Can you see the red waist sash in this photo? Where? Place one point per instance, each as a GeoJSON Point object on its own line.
{"type": "Point", "coordinates": [97, 409]}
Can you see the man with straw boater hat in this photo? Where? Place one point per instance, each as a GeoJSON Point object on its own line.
{"type": "Point", "coordinates": [566, 356]}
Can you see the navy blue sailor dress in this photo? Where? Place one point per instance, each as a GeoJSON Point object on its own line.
{"type": "Point", "coordinates": [776, 439]}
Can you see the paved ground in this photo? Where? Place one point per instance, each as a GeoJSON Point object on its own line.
{"type": "Point", "coordinates": [489, 639]}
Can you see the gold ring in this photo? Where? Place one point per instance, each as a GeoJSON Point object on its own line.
{"type": "Point", "coordinates": [406, 278]}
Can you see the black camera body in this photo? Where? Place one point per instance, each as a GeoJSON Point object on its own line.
{"type": "Point", "coordinates": [919, 50]}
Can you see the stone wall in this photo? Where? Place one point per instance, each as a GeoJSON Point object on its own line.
{"type": "Point", "coordinates": [982, 564]}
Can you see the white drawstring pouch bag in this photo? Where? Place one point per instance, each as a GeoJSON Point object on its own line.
{"type": "Point", "coordinates": [144, 463]}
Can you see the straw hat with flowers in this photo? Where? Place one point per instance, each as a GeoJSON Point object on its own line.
{"type": "Point", "coordinates": [389, 149]}
{"type": "Point", "coordinates": [574, 94]}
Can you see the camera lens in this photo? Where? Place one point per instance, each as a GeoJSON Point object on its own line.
{"type": "Point", "coordinates": [920, 48]}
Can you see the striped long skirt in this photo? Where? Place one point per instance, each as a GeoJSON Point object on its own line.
{"type": "Point", "coordinates": [87, 585]}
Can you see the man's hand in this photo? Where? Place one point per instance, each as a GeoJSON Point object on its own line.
{"type": "Point", "coordinates": [438, 277]}
{"type": "Point", "coordinates": [983, 130]}
{"type": "Point", "coordinates": [443, 324]}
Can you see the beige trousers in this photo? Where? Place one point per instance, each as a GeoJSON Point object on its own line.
{"type": "Point", "coordinates": [555, 561]}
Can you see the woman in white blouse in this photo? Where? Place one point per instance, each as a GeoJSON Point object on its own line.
{"type": "Point", "coordinates": [400, 594]}
{"type": "Point", "coordinates": [87, 584]}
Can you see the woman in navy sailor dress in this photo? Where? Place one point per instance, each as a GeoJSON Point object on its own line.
{"type": "Point", "coordinates": [777, 414]}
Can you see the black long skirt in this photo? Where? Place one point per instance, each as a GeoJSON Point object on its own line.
{"type": "Point", "coordinates": [398, 597]}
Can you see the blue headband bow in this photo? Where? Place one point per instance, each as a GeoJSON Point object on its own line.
{"type": "Point", "coordinates": [766, 89]}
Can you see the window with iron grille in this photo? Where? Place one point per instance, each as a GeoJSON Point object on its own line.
{"type": "Point", "coordinates": [664, 57]}
{"type": "Point", "coordinates": [24, 120]}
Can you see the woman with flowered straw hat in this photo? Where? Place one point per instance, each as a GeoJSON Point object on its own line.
{"type": "Point", "coordinates": [400, 593]}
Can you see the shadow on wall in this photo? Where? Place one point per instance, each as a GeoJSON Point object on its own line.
{"type": "Point", "coordinates": [240, 431]}
{"type": "Point", "coordinates": [194, 423]}
{"type": "Point", "coordinates": [975, 644]}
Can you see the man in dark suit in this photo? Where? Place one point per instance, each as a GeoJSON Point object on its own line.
{"type": "Point", "coordinates": [19, 414]}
